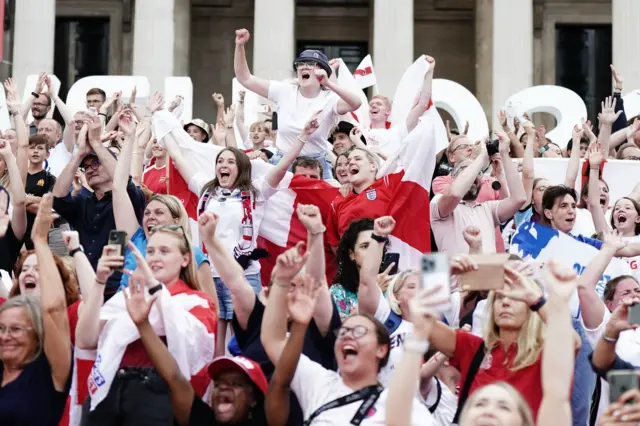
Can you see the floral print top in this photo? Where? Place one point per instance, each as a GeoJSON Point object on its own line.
{"type": "Point", "coordinates": [346, 301]}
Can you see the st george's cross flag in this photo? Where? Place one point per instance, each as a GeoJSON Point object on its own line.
{"type": "Point", "coordinates": [364, 74]}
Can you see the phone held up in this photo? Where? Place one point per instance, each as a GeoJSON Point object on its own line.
{"type": "Point", "coordinates": [390, 258]}
{"type": "Point", "coordinates": [435, 272]}
{"type": "Point", "coordinates": [118, 240]}
{"type": "Point", "coordinates": [488, 276]}
{"type": "Point", "coordinates": [621, 381]}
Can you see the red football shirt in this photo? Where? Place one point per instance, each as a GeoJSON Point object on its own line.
{"type": "Point", "coordinates": [527, 381]}
{"type": "Point", "coordinates": [155, 178]}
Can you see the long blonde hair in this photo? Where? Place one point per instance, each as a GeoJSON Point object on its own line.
{"type": "Point", "coordinates": [393, 287]}
{"type": "Point", "coordinates": [523, 407]}
{"type": "Point", "coordinates": [188, 273]}
{"type": "Point", "coordinates": [529, 341]}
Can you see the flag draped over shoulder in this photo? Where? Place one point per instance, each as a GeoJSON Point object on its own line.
{"type": "Point", "coordinates": [280, 228]}
{"type": "Point", "coordinates": [540, 243]}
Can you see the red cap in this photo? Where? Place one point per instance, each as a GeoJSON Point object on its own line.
{"type": "Point", "coordinates": [240, 363]}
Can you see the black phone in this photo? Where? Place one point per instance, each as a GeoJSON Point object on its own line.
{"type": "Point", "coordinates": [621, 381]}
{"type": "Point", "coordinates": [118, 239]}
{"type": "Point", "coordinates": [274, 121]}
{"type": "Point", "coordinates": [634, 314]}
{"type": "Point", "coordinates": [390, 258]}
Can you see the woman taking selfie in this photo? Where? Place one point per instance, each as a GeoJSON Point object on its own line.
{"type": "Point", "coordinates": [237, 199]}
{"type": "Point", "coordinates": [296, 102]}
{"type": "Point", "coordinates": [125, 388]}
{"type": "Point", "coordinates": [497, 402]}
{"type": "Point", "coordinates": [35, 350]}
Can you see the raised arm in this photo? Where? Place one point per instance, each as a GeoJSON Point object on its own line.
{"type": "Point", "coordinates": [181, 393]}
{"type": "Point", "coordinates": [275, 174]}
{"type": "Point", "coordinates": [65, 179]}
{"type": "Point", "coordinates": [63, 109]}
{"type": "Point", "coordinates": [592, 307]}
{"type": "Point", "coordinates": [218, 99]}
{"type": "Point", "coordinates": [249, 81]}
{"type": "Point", "coordinates": [369, 293]}
{"type": "Point", "coordinates": [57, 341]}
{"type": "Point", "coordinates": [88, 327]}
{"type": "Point", "coordinates": [558, 356]}
{"type": "Point", "coordinates": [123, 210]}
{"type": "Point", "coordinates": [300, 303]}
{"type": "Point", "coordinates": [16, 188]}
{"type": "Point", "coordinates": [230, 134]}
{"type": "Point", "coordinates": [104, 155]}
{"type": "Point", "coordinates": [22, 134]}
{"type": "Point", "coordinates": [607, 117]}
{"type": "Point", "coordinates": [517, 197]}
{"type": "Point", "coordinates": [231, 273]}
{"type": "Point", "coordinates": [84, 271]}
{"type": "Point", "coordinates": [528, 173]}
{"type": "Point", "coordinates": [28, 103]}
{"type": "Point", "coordinates": [574, 160]}
{"type": "Point", "coordinates": [425, 96]}
{"type": "Point", "coordinates": [142, 140]}
{"type": "Point", "coordinates": [604, 353]}
{"type": "Point", "coordinates": [273, 333]}
{"type": "Point", "coordinates": [311, 218]}
{"type": "Point", "coordinates": [462, 182]}
{"type": "Point", "coordinates": [349, 100]}
{"type": "Point", "coordinates": [596, 155]}
{"type": "Point", "coordinates": [240, 123]}
{"type": "Point", "coordinates": [404, 386]}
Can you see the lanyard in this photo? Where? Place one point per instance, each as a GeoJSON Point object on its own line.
{"type": "Point", "coordinates": [368, 395]}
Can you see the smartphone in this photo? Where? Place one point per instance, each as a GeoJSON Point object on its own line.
{"type": "Point", "coordinates": [274, 121]}
{"type": "Point", "coordinates": [634, 314]}
{"type": "Point", "coordinates": [118, 240]}
{"type": "Point", "coordinates": [435, 272]}
{"type": "Point", "coordinates": [390, 258]}
{"type": "Point", "coordinates": [621, 381]}
{"type": "Point", "coordinates": [488, 276]}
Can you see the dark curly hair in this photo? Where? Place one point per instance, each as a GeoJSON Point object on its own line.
{"type": "Point", "coordinates": [348, 274]}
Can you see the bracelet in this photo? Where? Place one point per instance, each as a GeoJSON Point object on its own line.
{"type": "Point", "coordinates": [320, 231]}
{"type": "Point", "coordinates": [76, 250]}
{"type": "Point", "coordinates": [102, 114]}
{"type": "Point", "coordinates": [100, 282]}
{"type": "Point", "coordinates": [609, 339]}
{"type": "Point", "coordinates": [301, 140]}
{"type": "Point", "coordinates": [379, 239]}
{"type": "Point", "coordinates": [155, 289]}
{"type": "Point", "coordinates": [416, 346]}
{"type": "Point", "coordinates": [538, 304]}
{"type": "Point", "coordinates": [281, 284]}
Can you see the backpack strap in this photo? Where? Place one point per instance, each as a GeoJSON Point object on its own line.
{"type": "Point", "coordinates": [471, 374]}
{"type": "Point", "coordinates": [434, 407]}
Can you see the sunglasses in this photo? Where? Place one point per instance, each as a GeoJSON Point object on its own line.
{"type": "Point", "coordinates": [93, 165]}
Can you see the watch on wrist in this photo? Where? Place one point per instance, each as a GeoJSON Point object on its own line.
{"type": "Point", "coordinates": [76, 250]}
{"type": "Point", "coordinates": [35, 95]}
{"type": "Point", "coordinates": [538, 304]}
{"type": "Point", "coordinates": [156, 288]}
{"type": "Point", "coordinates": [379, 239]}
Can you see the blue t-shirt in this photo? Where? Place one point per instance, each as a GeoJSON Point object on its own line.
{"type": "Point", "coordinates": [140, 241]}
{"type": "Point", "coordinates": [591, 241]}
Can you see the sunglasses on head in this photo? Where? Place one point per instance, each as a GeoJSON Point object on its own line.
{"type": "Point", "coordinates": [171, 227]}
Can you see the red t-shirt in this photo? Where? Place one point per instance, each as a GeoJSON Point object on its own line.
{"type": "Point", "coordinates": [527, 381]}
{"type": "Point", "coordinates": [2, 300]}
{"type": "Point", "coordinates": [373, 202]}
{"type": "Point", "coordinates": [155, 178]}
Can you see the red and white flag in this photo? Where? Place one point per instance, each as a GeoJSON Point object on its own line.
{"type": "Point", "coordinates": [364, 74]}
{"type": "Point", "coordinates": [280, 228]}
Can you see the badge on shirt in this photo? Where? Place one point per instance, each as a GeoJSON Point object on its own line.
{"type": "Point", "coordinates": [40, 182]}
{"type": "Point", "coordinates": [371, 194]}
{"type": "Point", "coordinates": [486, 362]}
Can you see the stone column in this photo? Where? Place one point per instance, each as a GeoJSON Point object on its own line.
{"type": "Point", "coordinates": [626, 33]}
{"type": "Point", "coordinates": [392, 42]}
{"type": "Point", "coordinates": [161, 35]}
{"type": "Point", "coordinates": [504, 51]}
{"type": "Point", "coordinates": [34, 35]}
{"type": "Point", "coordinates": [274, 39]}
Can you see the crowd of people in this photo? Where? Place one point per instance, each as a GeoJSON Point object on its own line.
{"type": "Point", "coordinates": [137, 287]}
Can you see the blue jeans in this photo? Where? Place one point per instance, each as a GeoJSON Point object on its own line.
{"type": "Point", "coordinates": [323, 158]}
{"type": "Point", "coordinates": [225, 307]}
{"type": "Point", "coordinates": [583, 380]}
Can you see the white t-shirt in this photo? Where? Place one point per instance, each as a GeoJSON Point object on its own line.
{"type": "Point", "coordinates": [293, 112]}
{"type": "Point", "coordinates": [231, 212]}
{"type": "Point", "coordinates": [397, 337]}
{"type": "Point", "coordinates": [447, 406]}
{"type": "Point", "coordinates": [59, 157]}
{"type": "Point", "coordinates": [479, 318]}
{"type": "Point", "coordinates": [386, 141]}
{"type": "Point", "coordinates": [634, 262]}
{"type": "Point", "coordinates": [315, 386]}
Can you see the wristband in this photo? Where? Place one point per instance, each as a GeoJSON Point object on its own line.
{"type": "Point", "coordinates": [543, 149]}
{"type": "Point", "coordinates": [101, 282]}
{"type": "Point", "coordinates": [538, 304]}
{"type": "Point", "coordinates": [76, 250]}
{"type": "Point", "coordinates": [609, 339]}
{"type": "Point", "coordinates": [319, 231]}
{"type": "Point", "coordinates": [302, 141]}
{"type": "Point", "coordinates": [155, 289]}
{"type": "Point", "coordinates": [416, 346]}
{"type": "Point", "coordinates": [102, 114]}
{"type": "Point", "coordinates": [379, 239]}
{"type": "Point", "coordinates": [35, 95]}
